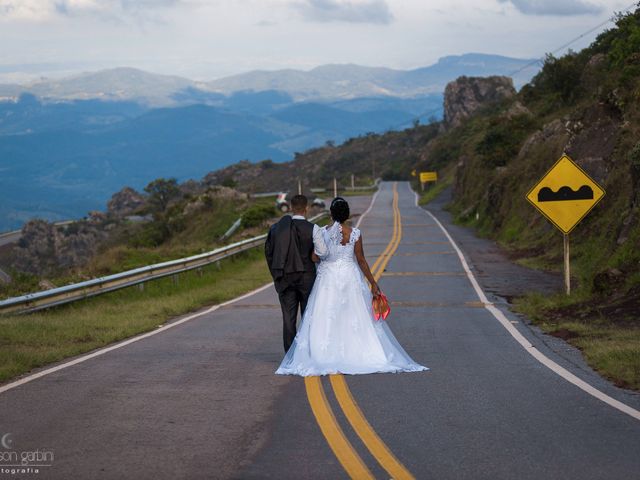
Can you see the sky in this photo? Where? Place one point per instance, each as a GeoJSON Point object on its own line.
{"type": "Point", "coordinates": [207, 39]}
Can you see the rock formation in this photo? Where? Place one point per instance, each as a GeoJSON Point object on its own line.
{"type": "Point", "coordinates": [125, 202]}
{"type": "Point", "coordinates": [45, 248]}
{"type": "Point", "coordinates": [465, 95]}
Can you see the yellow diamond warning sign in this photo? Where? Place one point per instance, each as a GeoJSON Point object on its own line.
{"type": "Point", "coordinates": [565, 194]}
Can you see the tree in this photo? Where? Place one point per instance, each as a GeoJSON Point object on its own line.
{"type": "Point", "coordinates": [161, 191]}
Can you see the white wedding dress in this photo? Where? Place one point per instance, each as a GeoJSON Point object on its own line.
{"type": "Point", "coordinates": [338, 333]}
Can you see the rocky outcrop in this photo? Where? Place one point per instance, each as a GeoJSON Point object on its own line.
{"type": "Point", "coordinates": [44, 248]}
{"type": "Point", "coordinates": [125, 202]}
{"type": "Point", "coordinates": [464, 96]}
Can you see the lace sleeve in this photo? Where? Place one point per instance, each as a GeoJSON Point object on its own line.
{"type": "Point", "coordinates": [319, 242]}
{"type": "Point", "coordinates": [355, 235]}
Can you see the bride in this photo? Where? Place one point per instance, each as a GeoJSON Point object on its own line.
{"type": "Point", "coordinates": [338, 333]}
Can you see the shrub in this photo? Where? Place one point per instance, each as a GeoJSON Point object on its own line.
{"type": "Point", "coordinates": [503, 138]}
{"type": "Point", "coordinates": [257, 214]}
{"type": "Point", "coordinates": [561, 76]}
{"type": "Point", "coordinates": [161, 191]}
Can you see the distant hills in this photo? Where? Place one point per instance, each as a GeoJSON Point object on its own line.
{"type": "Point", "coordinates": [326, 82]}
{"type": "Point", "coordinates": [351, 81]}
{"type": "Point", "coordinates": [67, 145]}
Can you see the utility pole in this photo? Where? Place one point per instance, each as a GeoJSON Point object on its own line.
{"type": "Point", "coordinates": [299, 187]}
{"type": "Point", "coordinates": [353, 182]}
{"type": "Point", "coordinates": [335, 187]}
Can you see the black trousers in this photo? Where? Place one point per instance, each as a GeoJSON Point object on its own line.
{"type": "Point", "coordinates": [293, 292]}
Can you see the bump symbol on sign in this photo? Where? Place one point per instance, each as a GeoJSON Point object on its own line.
{"type": "Point", "coordinates": [585, 192]}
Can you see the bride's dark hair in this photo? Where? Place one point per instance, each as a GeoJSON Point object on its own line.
{"type": "Point", "coordinates": [339, 210]}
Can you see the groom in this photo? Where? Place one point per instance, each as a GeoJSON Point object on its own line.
{"type": "Point", "coordinates": [288, 249]}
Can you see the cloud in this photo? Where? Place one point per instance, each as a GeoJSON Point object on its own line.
{"type": "Point", "coordinates": [40, 10]}
{"type": "Point", "coordinates": [555, 7]}
{"type": "Point", "coordinates": [369, 11]}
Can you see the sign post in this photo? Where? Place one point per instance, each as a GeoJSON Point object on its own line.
{"type": "Point", "coordinates": [565, 195]}
{"type": "Point", "coordinates": [567, 268]}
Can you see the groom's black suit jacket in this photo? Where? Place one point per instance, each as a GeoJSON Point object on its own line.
{"type": "Point", "coordinates": [288, 248]}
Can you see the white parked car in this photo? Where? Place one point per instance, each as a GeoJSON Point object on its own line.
{"type": "Point", "coordinates": [281, 202]}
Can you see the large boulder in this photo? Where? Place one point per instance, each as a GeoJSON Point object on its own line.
{"type": "Point", "coordinates": [48, 249]}
{"type": "Point", "coordinates": [125, 202]}
{"type": "Point", "coordinates": [464, 96]}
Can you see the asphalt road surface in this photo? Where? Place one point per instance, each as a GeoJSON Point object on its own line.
{"type": "Point", "coordinates": [199, 399]}
{"type": "Point", "coordinates": [10, 237]}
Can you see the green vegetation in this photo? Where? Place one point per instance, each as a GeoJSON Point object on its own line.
{"type": "Point", "coordinates": [357, 193]}
{"type": "Point", "coordinates": [161, 192]}
{"type": "Point", "coordinates": [180, 227]}
{"type": "Point", "coordinates": [257, 215]}
{"type": "Point", "coordinates": [33, 340]}
{"type": "Point", "coordinates": [432, 190]}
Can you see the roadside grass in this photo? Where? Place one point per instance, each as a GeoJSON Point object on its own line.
{"type": "Point", "coordinates": [432, 190]}
{"type": "Point", "coordinates": [356, 193]}
{"type": "Point", "coordinates": [611, 348]}
{"type": "Point", "coordinates": [34, 340]}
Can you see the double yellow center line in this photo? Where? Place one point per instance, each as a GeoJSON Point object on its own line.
{"type": "Point", "coordinates": [333, 433]}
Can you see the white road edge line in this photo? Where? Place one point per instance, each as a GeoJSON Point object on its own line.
{"type": "Point", "coordinates": [546, 361]}
{"type": "Point", "coordinates": [102, 351]}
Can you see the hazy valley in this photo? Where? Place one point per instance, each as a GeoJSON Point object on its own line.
{"type": "Point", "coordinates": [67, 145]}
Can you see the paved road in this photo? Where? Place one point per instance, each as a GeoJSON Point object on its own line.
{"type": "Point", "coordinates": [200, 400]}
{"type": "Point", "coordinates": [10, 237]}
{"type": "Point", "coordinates": [7, 239]}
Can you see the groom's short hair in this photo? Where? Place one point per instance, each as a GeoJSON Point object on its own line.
{"type": "Point", "coordinates": [299, 203]}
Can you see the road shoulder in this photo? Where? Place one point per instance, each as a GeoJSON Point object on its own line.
{"type": "Point", "coordinates": [502, 280]}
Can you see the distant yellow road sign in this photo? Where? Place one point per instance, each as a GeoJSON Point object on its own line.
{"type": "Point", "coordinates": [413, 173]}
{"type": "Point", "coordinates": [428, 177]}
{"type": "Point", "coordinates": [565, 194]}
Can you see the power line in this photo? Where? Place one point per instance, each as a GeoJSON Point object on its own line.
{"type": "Point", "coordinates": [591, 30]}
{"type": "Point", "coordinates": [530, 64]}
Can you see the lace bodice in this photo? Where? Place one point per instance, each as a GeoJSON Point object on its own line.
{"type": "Point", "coordinates": [333, 236]}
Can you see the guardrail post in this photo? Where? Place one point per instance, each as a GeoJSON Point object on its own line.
{"type": "Point", "coordinates": [174, 279]}
{"type": "Point", "coordinates": [199, 271]}
{"type": "Point", "coordinates": [141, 287]}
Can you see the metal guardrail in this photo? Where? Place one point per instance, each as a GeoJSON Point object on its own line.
{"type": "Point", "coordinates": [264, 194]}
{"type": "Point", "coordinates": [97, 286]}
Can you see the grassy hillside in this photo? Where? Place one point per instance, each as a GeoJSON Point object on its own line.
{"type": "Point", "coordinates": [390, 156]}
{"type": "Point", "coordinates": [189, 225]}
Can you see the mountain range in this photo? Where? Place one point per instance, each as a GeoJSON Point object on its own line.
{"type": "Point", "coordinates": [326, 82]}
{"type": "Point", "coordinates": [66, 145]}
